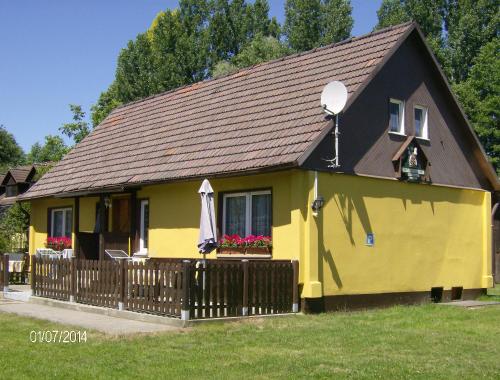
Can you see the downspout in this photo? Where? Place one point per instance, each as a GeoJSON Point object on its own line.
{"type": "Point", "coordinates": [493, 248]}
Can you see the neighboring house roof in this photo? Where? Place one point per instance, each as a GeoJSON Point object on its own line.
{"type": "Point", "coordinates": [261, 118]}
{"type": "Point", "coordinates": [20, 173]}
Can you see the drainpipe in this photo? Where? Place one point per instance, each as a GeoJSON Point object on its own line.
{"type": "Point", "coordinates": [312, 285]}
{"type": "Point", "coordinates": [493, 245]}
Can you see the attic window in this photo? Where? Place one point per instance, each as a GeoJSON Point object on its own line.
{"type": "Point", "coordinates": [11, 191]}
{"type": "Point", "coordinates": [420, 120]}
{"type": "Point", "coordinates": [396, 116]}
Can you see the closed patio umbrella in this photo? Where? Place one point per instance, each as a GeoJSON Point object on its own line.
{"type": "Point", "coordinates": [207, 241]}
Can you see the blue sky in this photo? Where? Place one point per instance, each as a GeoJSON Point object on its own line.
{"type": "Point", "coordinates": [53, 53]}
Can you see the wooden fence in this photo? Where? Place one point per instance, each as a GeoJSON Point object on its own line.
{"type": "Point", "coordinates": [240, 288]}
{"type": "Point", "coordinates": [97, 282]}
{"type": "Point", "coordinates": [4, 272]}
{"type": "Point", "coordinates": [174, 287]}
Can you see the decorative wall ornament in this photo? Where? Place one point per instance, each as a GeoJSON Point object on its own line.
{"type": "Point", "coordinates": [410, 162]}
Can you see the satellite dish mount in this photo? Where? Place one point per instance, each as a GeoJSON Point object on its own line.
{"type": "Point", "coordinates": [333, 100]}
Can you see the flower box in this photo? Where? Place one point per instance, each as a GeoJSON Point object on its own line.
{"type": "Point", "coordinates": [234, 246]}
{"type": "Point", "coordinates": [258, 251]}
{"type": "Point", "coordinates": [58, 243]}
{"type": "Point", "coordinates": [231, 251]}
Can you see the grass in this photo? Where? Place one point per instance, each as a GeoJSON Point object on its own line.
{"type": "Point", "coordinates": [420, 342]}
{"type": "Point", "coordinates": [492, 294]}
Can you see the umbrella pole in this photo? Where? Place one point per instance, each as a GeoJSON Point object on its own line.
{"type": "Point", "coordinates": [204, 269]}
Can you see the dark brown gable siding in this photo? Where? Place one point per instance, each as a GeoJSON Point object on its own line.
{"type": "Point", "coordinates": [366, 147]}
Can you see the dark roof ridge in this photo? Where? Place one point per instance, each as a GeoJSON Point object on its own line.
{"type": "Point", "coordinates": [287, 57]}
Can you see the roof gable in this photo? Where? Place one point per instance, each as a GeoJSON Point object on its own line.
{"type": "Point", "coordinates": [19, 174]}
{"type": "Point", "coordinates": [260, 118]}
{"type": "Point", "coordinates": [409, 73]}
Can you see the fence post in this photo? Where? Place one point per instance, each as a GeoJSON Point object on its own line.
{"type": "Point", "coordinates": [72, 272]}
{"type": "Point", "coordinates": [5, 273]}
{"type": "Point", "coordinates": [185, 290]}
{"type": "Point", "coordinates": [295, 293]}
{"type": "Point", "coordinates": [33, 275]}
{"type": "Point", "coordinates": [123, 278]}
{"type": "Point", "coordinates": [244, 310]}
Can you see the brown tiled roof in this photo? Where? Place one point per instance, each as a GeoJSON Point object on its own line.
{"type": "Point", "coordinates": [258, 118]}
{"type": "Point", "coordinates": [21, 173]}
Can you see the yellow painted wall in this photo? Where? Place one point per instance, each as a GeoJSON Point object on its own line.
{"type": "Point", "coordinates": [175, 214]}
{"type": "Point", "coordinates": [88, 213]}
{"type": "Point", "coordinates": [425, 236]}
{"type": "Point", "coordinates": [38, 224]}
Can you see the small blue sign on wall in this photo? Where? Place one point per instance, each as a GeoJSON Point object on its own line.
{"type": "Point", "coordinates": [370, 239]}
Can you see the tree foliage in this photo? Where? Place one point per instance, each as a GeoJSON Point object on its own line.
{"type": "Point", "coordinates": [107, 102]}
{"type": "Point", "coordinates": [470, 24]}
{"type": "Point", "coordinates": [14, 225]}
{"type": "Point", "coordinates": [479, 95]}
{"type": "Point", "coordinates": [79, 128]}
{"type": "Point", "coordinates": [261, 49]}
{"type": "Point", "coordinates": [52, 150]}
{"type": "Point", "coordinates": [11, 153]}
{"type": "Point", "coordinates": [303, 23]}
{"type": "Point", "coordinates": [312, 23]}
{"type": "Point", "coordinates": [336, 21]}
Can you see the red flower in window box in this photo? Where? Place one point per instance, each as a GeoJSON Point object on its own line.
{"type": "Point", "coordinates": [58, 243]}
{"type": "Point", "coordinates": [236, 245]}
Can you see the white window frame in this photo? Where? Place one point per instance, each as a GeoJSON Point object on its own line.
{"type": "Point", "coordinates": [142, 227]}
{"type": "Point", "coordinates": [64, 211]}
{"type": "Point", "coordinates": [248, 210]}
{"type": "Point", "coordinates": [425, 127]}
{"type": "Point", "coordinates": [401, 104]}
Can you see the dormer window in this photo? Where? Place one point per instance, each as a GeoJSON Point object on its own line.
{"type": "Point", "coordinates": [11, 191]}
{"type": "Point", "coordinates": [396, 116]}
{"type": "Point", "coordinates": [420, 120]}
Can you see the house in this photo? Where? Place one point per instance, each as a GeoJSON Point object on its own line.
{"type": "Point", "coordinates": [404, 217]}
{"type": "Point", "coordinates": [14, 183]}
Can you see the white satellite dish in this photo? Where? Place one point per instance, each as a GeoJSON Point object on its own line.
{"type": "Point", "coordinates": [334, 97]}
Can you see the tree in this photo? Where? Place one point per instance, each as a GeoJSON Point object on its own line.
{"type": "Point", "coordinates": [312, 23]}
{"type": "Point", "coordinates": [107, 102]}
{"type": "Point", "coordinates": [223, 68]}
{"type": "Point", "coordinates": [260, 18]}
{"type": "Point", "coordinates": [392, 12]}
{"type": "Point", "coordinates": [303, 23]}
{"type": "Point", "coordinates": [52, 150]}
{"type": "Point", "coordinates": [79, 128]}
{"type": "Point", "coordinates": [480, 97]}
{"type": "Point", "coordinates": [430, 15]}
{"type": "Point", "coordinates": [261, 49]}
{"type": "Point", "coordinates": [336, 21]}
{"type": "Point", "coordinates": [14, 225]}
{"type": "Point", "coordinates": [168, 60]}
{"type": "Point", "coordinates": [11, 153]}
{"type": "Point", "coordinates": [470, 24]}
{"type": "Point", "coordinates": [194, 38]}
{"type": "Point", "coordinates": [135, 72]}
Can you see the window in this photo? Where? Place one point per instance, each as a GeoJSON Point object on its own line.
{"type": "Point", "coordinates": [11, 191]}
{"type": "Point", "coordinates": [396, 116]}
{"type": "Point", "coordinates": [247, 213]}
{"type": "Point", "coordinates": [144, 226]}
{"type": "Point", "coordinates": [420, 116]}
{"type": "Point", "coordinates": [61, 222]}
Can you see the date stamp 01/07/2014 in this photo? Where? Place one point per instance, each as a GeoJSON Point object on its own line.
{"type": "Point", "coordinates": [58, 336]}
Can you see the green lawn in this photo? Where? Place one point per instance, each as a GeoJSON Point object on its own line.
{"type": "Point", "coordinates": [422, 342]}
